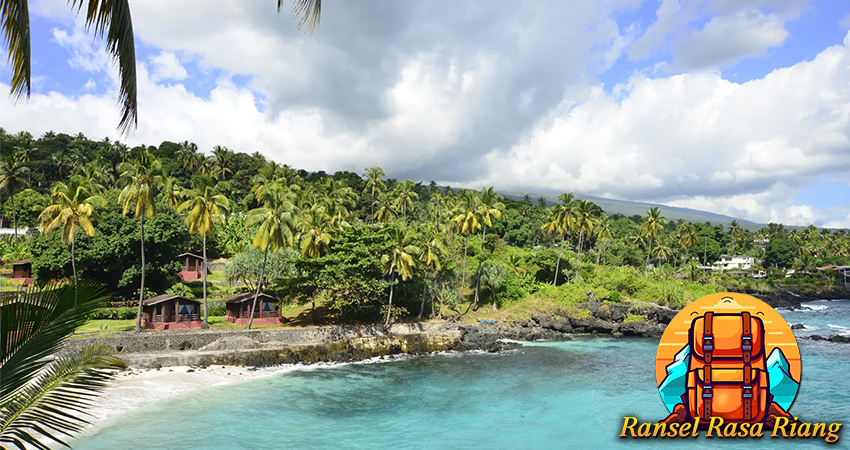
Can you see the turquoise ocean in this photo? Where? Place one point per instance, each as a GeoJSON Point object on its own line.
{"type": "Point", "coordinates": [544, 395]}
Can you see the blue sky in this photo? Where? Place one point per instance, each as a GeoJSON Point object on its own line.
{"type": "Point", "coordinates": [733, 106]}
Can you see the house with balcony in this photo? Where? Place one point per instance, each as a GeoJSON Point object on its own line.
{"type": "Point", "coordinates": [729, 262]}
{"type": "Point", "coordinates": [193, 267]}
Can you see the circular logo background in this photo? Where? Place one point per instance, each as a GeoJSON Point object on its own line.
{"type": "Point", "coordinates": [782, 357]}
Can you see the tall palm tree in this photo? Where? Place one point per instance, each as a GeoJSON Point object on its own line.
{"type": "Point", "coordinates": [112, 20]}
{"type": "Point", "coordinates": [494, 275]}
{"type": "Point", "coordinates": [72, 205]}
{"type": "Point", "coordinates": [172, 191]}
{"type": "Point", "coordinates": [737, 234]}
{"type": "Point", "coordinates": [405, 196]}
{"type": "Point", "coordinates": [432, 248]}
{"type": "Point", "coordinates": [374, 186]}
{"type": "Point", "coordinates": [276, 220]}
{"type": "Point", "coordinates": [688, 238]}
{"type": "Point", "coordinates": [398, 261]}
{"type": "Point", "coordinates": [44, 395]}
{"type": "Point", "coordinates": [653, 223]}
{"type": "Point", "coordinates": [141, 180]}
{"type": "Point", "coordinates": [315, 231]}
{"type": "Point", "coordinates": [100, 172]}
{"type": "Point", "coordinates": [13, 176]}
{"type": "Point", "coordinates": [604, 233]}
{"type": "Point", "coordinates": [560, 220]}
{"type": "Point", "coordinates": [491, 206]}
{"type": "Point", "coordinates": [337, 199]}
{"type": "Point", "coordinates": [467, 221]}
{"type": "Point", "coordinates": [206, 208]}
{"type": "Point", "coordinates": [584, 213]}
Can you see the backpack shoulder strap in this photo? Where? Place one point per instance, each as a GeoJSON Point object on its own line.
{"type": "Point", "coordinates": [746, 350]}
{"type": "Point", "coordinates": [707, 392]}
{"type": "Point", "coordinates": [708, 336]}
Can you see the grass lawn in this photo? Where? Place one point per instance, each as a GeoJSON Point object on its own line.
{"type": "Point", "coordinates": [112, 325]}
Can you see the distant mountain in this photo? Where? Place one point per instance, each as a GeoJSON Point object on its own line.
{"type": "Point", "coordinates": [627, 208]}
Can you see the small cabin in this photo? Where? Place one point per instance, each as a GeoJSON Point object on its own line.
{"type": "Point", "coordinates": [238, 309]}
{"type": "Point", "coordinates": [22, 271]}
{"type": "Point", "coordinates": [193, 267]}
{"type": "Point", "coordinates": [168, 312]}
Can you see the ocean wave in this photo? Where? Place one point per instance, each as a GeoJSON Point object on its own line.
{"type": "Point", "coordinates": [809, 308]}
{"type": "Point", "coordinates": [844, 331]}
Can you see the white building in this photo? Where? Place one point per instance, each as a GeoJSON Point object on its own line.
{"type": "Point", "coordinates": [739, 262]}
{"type": "Point", "coordinates": [11, 231]}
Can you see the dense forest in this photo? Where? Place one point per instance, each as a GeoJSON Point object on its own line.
{"type": "Point", "coordinates": [366, 246]}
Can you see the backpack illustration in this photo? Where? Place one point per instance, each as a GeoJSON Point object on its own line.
{"type": "Point", "coordinates": [726, 375]}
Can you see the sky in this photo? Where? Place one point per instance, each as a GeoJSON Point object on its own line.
{"type": "Point", "coordinates": [738, 107]}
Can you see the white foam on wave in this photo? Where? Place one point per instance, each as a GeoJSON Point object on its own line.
{"type": "Point", "coordinates": [844, 331]}
{"type": "Point", "coordinates": [814, 308]}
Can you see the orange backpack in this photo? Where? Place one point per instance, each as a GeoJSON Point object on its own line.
{"type": "Point", "coordinates": [726, 370]}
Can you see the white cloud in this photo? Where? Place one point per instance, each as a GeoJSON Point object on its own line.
{"type": "Point", "coordinates": [726, 39]}
{"type": "Point", "coordinates": [167, 67]}
{"type": "Point", "coordinates": [694, 139]}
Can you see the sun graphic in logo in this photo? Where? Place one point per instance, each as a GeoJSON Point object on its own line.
{"type": "Point", "coordinates": [731, 356]}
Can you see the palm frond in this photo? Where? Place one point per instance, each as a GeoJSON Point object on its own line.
{"type": "Point", "coordinates": [306, 12]}
{"type": "Point", "coordinates": [112, 19]}
{"type": "Point", "coordinates": [16, 34]}
{"type": "Point", "coordinates": [36, 322]}
{"type": "Point", "coordinates": [53, 403]}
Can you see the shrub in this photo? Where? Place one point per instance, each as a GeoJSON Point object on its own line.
{"type": "Point", "coordinates": [634, 318]}
{"type": "Point", "coordinates": [217, 310]}
{"type": "Point", "coordinates": [126, 313]}
{"type": "Point", "coordinates": [181, 290]}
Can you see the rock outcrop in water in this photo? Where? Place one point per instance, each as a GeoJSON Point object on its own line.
{"type": "Point", "coordinates": [837, 338]}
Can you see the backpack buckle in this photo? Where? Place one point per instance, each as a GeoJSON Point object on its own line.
{"type": "Point", "coordinates": [747, 343]}
{"type": "Point", "coordinates": [707, 342]}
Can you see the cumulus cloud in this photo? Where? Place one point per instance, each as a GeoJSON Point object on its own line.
{"type": "Point", "coordinates": [167, 67]}
{"type": "Point", "coordinates": [695, 140]}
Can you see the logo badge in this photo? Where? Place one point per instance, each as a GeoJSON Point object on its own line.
{"type": "Point", "coordinates": [728, 357]}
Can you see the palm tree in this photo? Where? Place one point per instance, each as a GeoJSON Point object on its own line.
{"type": "Point", "coordinates": [494, 275]}
{"type": "Point", "coordinates": [467, 221]}
{"type": "Point", "coordinates": [72, 205]}
{"type": "Point", "coordinates": [398, 260]}
{"type": "Point", "coordinates": [604, 233]}
{"type": "Point", "coordinates": [141, 180]}
{"type": "Point", "coordinates": [13, 176]}
{"type": "Point", "coordinates": [560, 220]}
{"type": "Point", "coordinates": [432, 249]}
{"type": "Point", "coordinates": [222, 160]}
{"type": "Point", "coordinates": [315, 231]}
{"type": "Point", "coordinates": [110, 19]}
{"type": "Point", "coordinates": [688, 238]}
{"type": "Point", "coordinates": [186, 155]}
{"type": "Point", "coordinates": [737, 234]}
{"type": "Point", "coordinates": [172, 192]}
{"type": "Point", "coordinates": [491, 206]}
{"type": "Point", "coordinates": [584, 212]}
{"type": "Point", "coordinates": [405, 196]}
{"type": "Point", "coordinates": [100, 172]}
{"type": "Point", "coordinates": [651, 226]}
{"type": "Point", "coordinates": [374, 185]}
{"type": "Point", "coordinates": [386, 212]}
{"type": "Point", "coordinates": [205, 209]}
{"type": "Point", "coordinates": [338, 198]}
{"type": "Point", "coordinates": [276, 220]}
{"type": "Point", "coordinates": [44, 395]}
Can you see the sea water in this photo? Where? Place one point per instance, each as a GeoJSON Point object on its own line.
{"type": "Point", "coordinates": [544, 395]}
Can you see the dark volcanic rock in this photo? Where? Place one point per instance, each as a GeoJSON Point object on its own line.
{"type": "Point", "coordinates": [798, 326]}
{"type": "Point", "coordinates": [838, 339]}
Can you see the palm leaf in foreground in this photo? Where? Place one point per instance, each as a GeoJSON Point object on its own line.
{"type": "Point", "coordinates": [44, 396]}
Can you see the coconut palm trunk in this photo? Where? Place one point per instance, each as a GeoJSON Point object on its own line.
{"type": "Point", "coordinates": [422, 305]}
{"type": "Point", "coordinates": [73, 259]}
{"type": "Point", "coordinates": [463, 277]}
{"type": "Point", "coordinates": [599, 252]}
{"type": "Point", "coordinates": [206, 323]}
{"type": "Point", "coordinates": [578, 260]}
{"type": "Point", "coordinates": [493, 291]}
{"type": "Point", "coordinates": [478, 271]}
{"type": "Point", "coordinates": [558, 264]}
{"type": "Point", "coordinates": [649, 252]}
{"type": "Point", "coordinates": [142, 288]}
{"type": "Point", "coordinates": [390, 308]}
{"type": "Point", "coordinates": [257, 293]}
{"type": "Point", "coordinates": [15, 218]}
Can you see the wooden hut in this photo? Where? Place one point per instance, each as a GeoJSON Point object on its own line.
{"type": "Point", "coordinates": [22, 271]}
{"type": "Point", "coordinates": [193, 267]}
{"type": "Point", "coordinates": [168, 312]}
{"type": "Point", "coordinates": [238, 309]}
